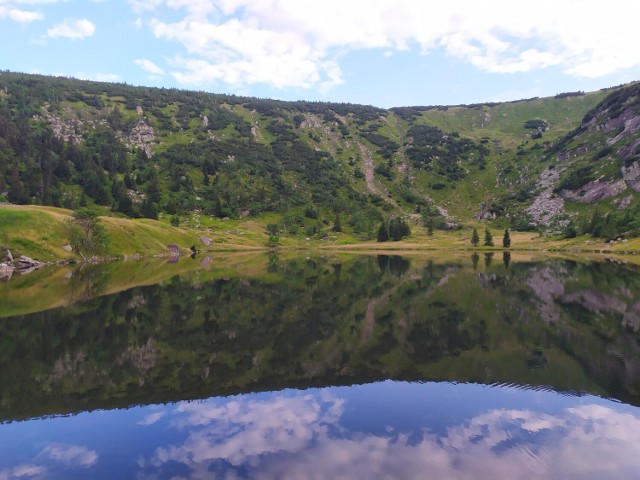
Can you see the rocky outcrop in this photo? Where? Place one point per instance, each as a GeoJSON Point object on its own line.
{"type": "Point", "coordinates": [143, 357]}
{"type": "Point", "coordinates": [26, 264]}
{"type": "Point", "coordinates": [631, 174]}
{"type": "Point", "coordinates": [631, 318]}
{"type": "Point", "coordinates": [548, 285]}
{"type": "Point", "coordinates": [596, 301]}
{"type": "Point", "coordinates": [5, 255]}
{"type": "Point", "coordinates": [9, 265]}
{"type": "Point", "coordinates": [546, 206]}
{"type": "Point", "coordinates": [630, 151]}
{"type": "Point", "coordinates": [6, 270]}
{"type": "Point", "coordinates": [601, 189]}
{"type": "Point", "coordinates": [595, 191]}
{"type": "Point", "coordinates": [628, 123]}
{"type": "Point", "coordinates": [624, 203]}
{"type": "Point", "coordinates": [68, 126]}
{"type": "Point", "coordinates": [142, 137]}
{"type": "Point", "coordinates": [449, 221]}
{"type": "Point", "coordinates": [486, 213]}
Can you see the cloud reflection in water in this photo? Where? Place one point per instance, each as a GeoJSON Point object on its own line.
{"type": "Point", "coordinates": [51, 459]}
{"type": "Point", "coordinates": [299, 435]}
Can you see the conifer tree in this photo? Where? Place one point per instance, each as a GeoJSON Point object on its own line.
{"type": "Point", "coordinates": [337, 227]}
{"type": "Point", "coordinates": [394, 229]}
{"type": "Point", "coordinates": [475, 238]}
{"type": "Point", "coordinates": [383, 232]}
{"type": "Point", "coordinates": [488, 238]}
{"type": "Point", "coordinates": [506, 239]}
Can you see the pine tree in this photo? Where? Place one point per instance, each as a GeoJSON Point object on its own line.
{"type": "Point", "coordinates": [153, 190]}
{"type": "Point", "coordinates": [405, 230]}
{"type": "Point", "coordinates": [336, 223]}
{"type": "Point", "coordinates": [570, 231]}
{"type": "Point", "coordinates": [394, 229]}
{"type": "Point", "coordinates": [475, 238]}
{"type": "Point", "coordinates": [398, 229]}
{"type": "Point", "coordinates": [383, 233]}
{"type": "Point", "coordinates": [506, 239]}
{"type": "Point", "coordinates": [149, 210]}
{"type": "Point", "coordinates": [488, 238]}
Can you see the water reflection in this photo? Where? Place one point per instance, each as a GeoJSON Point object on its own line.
{"type": "Point", "coordinates": [317, 321]}
{"type": "Point", "coordinates": [383, 430]}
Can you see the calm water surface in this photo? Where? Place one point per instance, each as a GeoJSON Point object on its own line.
{"type": "Point", "coordinates": [322, 367]}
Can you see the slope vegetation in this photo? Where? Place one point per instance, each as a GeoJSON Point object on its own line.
{"type": "Point", "coordinates": [310, 168]}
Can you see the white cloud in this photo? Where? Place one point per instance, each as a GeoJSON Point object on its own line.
{"type": "Point", "coordinates": [301, 437]}
{"type": "Point", "coordinates": [8, 10]}
{"type": "Point", "coordinates": [17, 15]}
{"type": "Point", "coordinates": [149, 66]}
{"type": "Point", "coordinates": [151, 418]}
{"type": "Point", "coordinates": [34, 2]}
{"type": "Point", "coordinates": [72, 29]}
{"type": "Point", "coordinates": [70, 455]}
{"type": "Point", "coordinates": [22, 471]}
{"type": "Point", "coordinates": [287, 43]}
{"type": "Point", "coordinates": [140, 6]}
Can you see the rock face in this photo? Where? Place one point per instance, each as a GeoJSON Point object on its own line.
{"type": "Point", "coordinates": [595, 191]}
{"type": "Point", "coordinates": [143, 137]}
{"type": "Point", "coordinates": [631, 174]}
{"type": "Point", "coordinates": [26, 264]}
{"type": "Point", "coordinates": [6, 270]}
{"type": "Point", "coordinates": [449, 221]}
{"type": "Point", "coordinates": [624, 203]}
{"type": "Point", "coordinates": [596, 301]}
{"type": "Point", "coordinates": [628, 122]}
{"type": "Point", "coordinates": [631, 317]}
{"type": "Point", "coordinates": [547, 206]}
{"type": "Point", "coordinates": [485, 213]}
{"type": "Point", "coordinates": [5, 255]}
{"type": "Point", "coordinates": [68, 126]}
{"type": "Point", "coordinates": [548, 285]}
{"type": "Point", "coordinates": [630, 151]}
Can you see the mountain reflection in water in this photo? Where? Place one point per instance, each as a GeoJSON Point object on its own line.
{"type": "Point", "coordinates": [275, 324]}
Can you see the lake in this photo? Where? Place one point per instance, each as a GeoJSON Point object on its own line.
{"type": "Point", "coordinates": [322, 366]}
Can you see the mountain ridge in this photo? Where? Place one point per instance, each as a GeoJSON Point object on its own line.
{"type": "Point", "coordinates": [149, 152]}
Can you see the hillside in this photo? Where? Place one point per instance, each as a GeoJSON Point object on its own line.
{"type": "Point", "coordinates": [43, 233]}
{"type": "Point", "coordinates": [306, 166]}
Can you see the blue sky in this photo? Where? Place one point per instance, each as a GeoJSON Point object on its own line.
{"type": "Point", "coordinates": [380, 52]}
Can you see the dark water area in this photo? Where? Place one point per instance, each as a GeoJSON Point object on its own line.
{"type": "Point", "coordinates": [324, 367]}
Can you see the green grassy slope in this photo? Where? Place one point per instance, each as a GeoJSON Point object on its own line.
{"type": "Point", "coordinates": [40, 232]}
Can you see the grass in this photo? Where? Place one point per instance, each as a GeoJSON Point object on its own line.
{"type": "Point", "coordinates": [39, 232]}
{"type": "Point", "coordinates": [505, 121]}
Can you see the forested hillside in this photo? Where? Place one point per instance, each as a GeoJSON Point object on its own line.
{"type": "Point", "coordinates": [316, 167]}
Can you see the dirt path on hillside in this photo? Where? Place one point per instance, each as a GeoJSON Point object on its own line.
{"type": "Point", "coordinates": [367, 163]}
